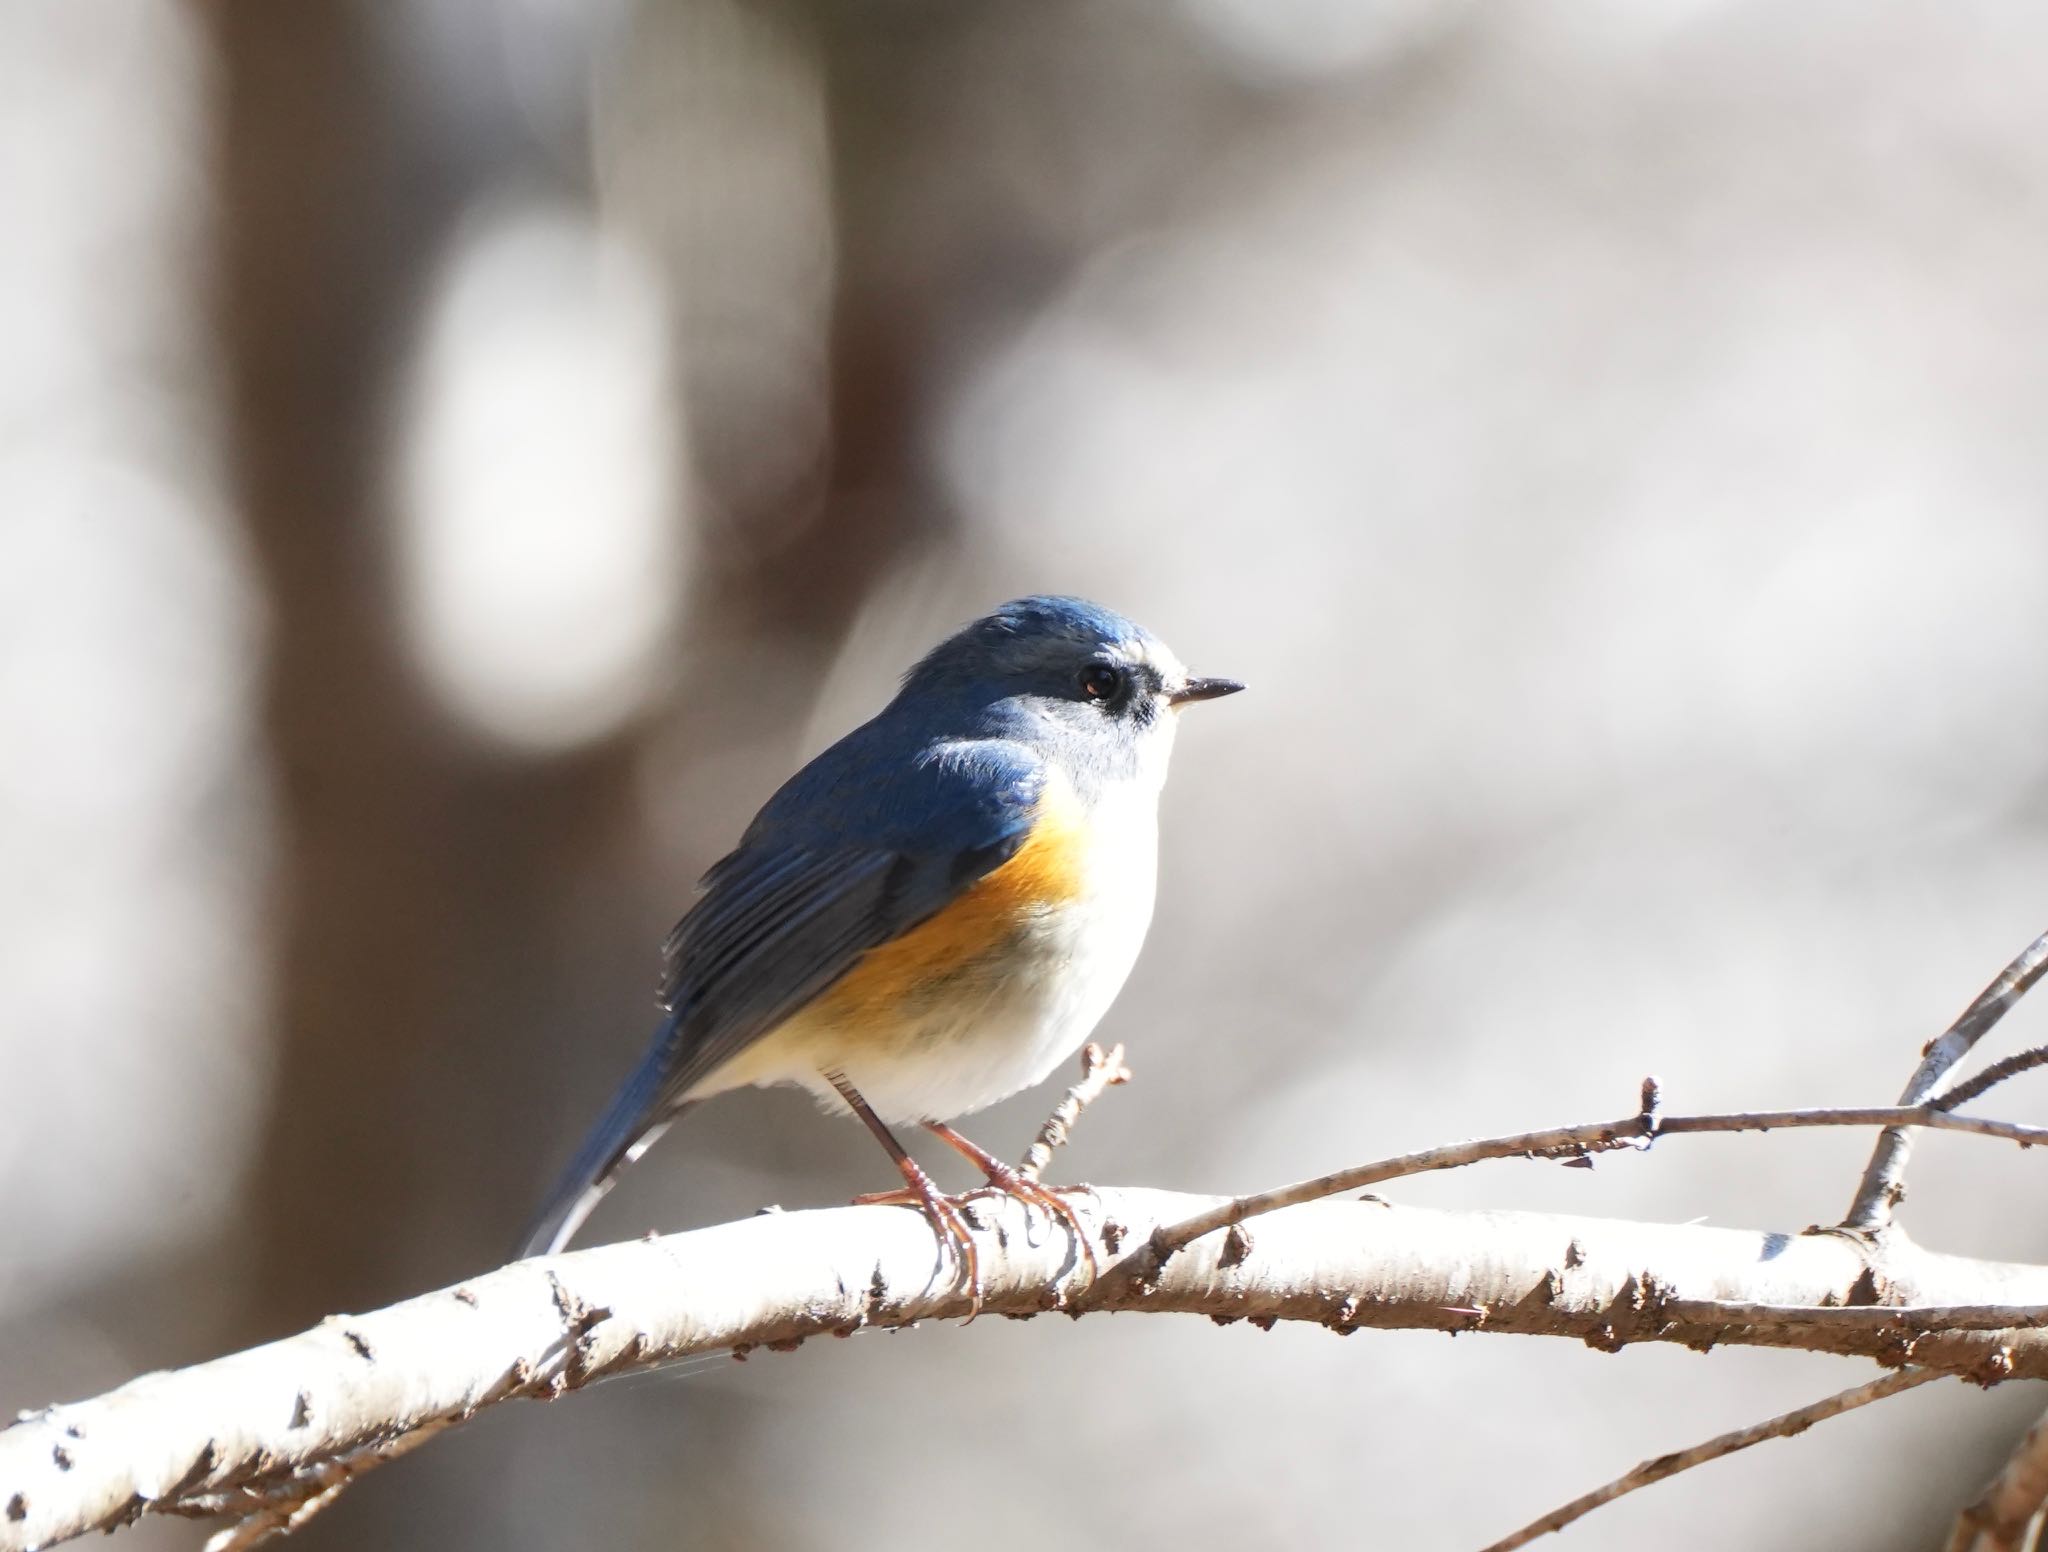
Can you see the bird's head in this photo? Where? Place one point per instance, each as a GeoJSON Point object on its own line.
{"type": "Point", "coordinates": [1102, 687]}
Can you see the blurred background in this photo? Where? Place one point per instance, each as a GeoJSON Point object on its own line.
{"type": "Point", "coordinates": [456, 458]}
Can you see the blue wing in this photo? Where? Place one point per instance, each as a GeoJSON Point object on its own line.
{"type": "Point", "coordinates": [852, 852]}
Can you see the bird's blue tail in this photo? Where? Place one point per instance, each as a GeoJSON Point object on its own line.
{"type": "Point", "coordinates": [628, 1129]}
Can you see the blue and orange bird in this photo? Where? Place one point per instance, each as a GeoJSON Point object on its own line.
{"type": "Point", "coordinates": [931, 915]}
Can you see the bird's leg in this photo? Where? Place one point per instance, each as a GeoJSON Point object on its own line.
{"type": "Point", "coordinates": [955, 1237]}
{"type": "Point", "coordinates": [1014, 1182]}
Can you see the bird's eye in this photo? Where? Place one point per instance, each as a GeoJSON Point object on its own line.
{"type": "Point", "coordinates": [1102, 681]}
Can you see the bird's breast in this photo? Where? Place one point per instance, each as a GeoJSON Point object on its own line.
{"type": "Point", "coordinates": [1028, 917]}
{"type": "Point", "coordinates": [990, 994]}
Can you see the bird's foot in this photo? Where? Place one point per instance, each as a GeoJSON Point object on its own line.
{"type": "Point", "coordinates": [1007, 1180]}
{"type": "Point", "coordinates": [949, 1224]}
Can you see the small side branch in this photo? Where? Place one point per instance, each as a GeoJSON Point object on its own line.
{"type": "Point", "coordinates": [1100, 1070]}
{"type": "Point", "coordinates": [1783, 1426]}
{"type": "Point", "coordinates": [1576, 1144]}
{"type": "Point", "coordinates": [256, 1516]}
{"type": "Point", "coordinates": [2005, 1067]}
{"type": "Point", "coordinates": [1883, 1185]}
{"type": "Point", "coordinates": [2006, 1516]}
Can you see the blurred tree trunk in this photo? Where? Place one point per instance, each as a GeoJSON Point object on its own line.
{"type": "Point", "coordinates": [421, 875]}
{"type": "Point", "coordinates": [427, 990]}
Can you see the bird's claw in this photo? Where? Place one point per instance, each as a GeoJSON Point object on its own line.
{"type": "Point", "coordinates": [1010, 1182]}
{"type": "Point", "coordinates": [949, 1225]}
{"type": "Point", "coordinates": [1006, 1179]}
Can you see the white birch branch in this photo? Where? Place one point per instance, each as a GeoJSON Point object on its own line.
{"type": "Point", "coordinates": [259, 1435]}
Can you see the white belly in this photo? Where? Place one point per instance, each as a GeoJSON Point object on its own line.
{"type": "Point", "coordinates": [1064, 977]}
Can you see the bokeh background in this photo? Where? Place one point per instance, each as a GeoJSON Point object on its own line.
{"type": "Point", "coordinates": [455, 458]}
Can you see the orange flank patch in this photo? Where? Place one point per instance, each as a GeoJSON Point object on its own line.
{"type": "Point", "coordinates": [1045, 873]}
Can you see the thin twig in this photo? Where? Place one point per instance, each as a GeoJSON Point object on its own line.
{"type": "Point", "coordinates": [2005, 1067]}
{"type": "Point", "coordinates": [286, 1510]}
{"type": "Point", "coordinates": [1867, 1317]}
{"type": "Point", "coordinates": [2003, 1515]}
{"type": "Point", "coordinates": [1099, 1070]}
{"type": "Point", "coordinates": [1576, 1144]}
{"type": "Point", "coordinates": [1651, 1471]}
{"type": "Point", "coordinates": [2006, 1511]}
{"type": "Point", "coordinates": [1883, 1185]}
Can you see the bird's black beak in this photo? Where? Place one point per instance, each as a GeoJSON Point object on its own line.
{"type": "Point", "coordinates": [1203, 690]}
